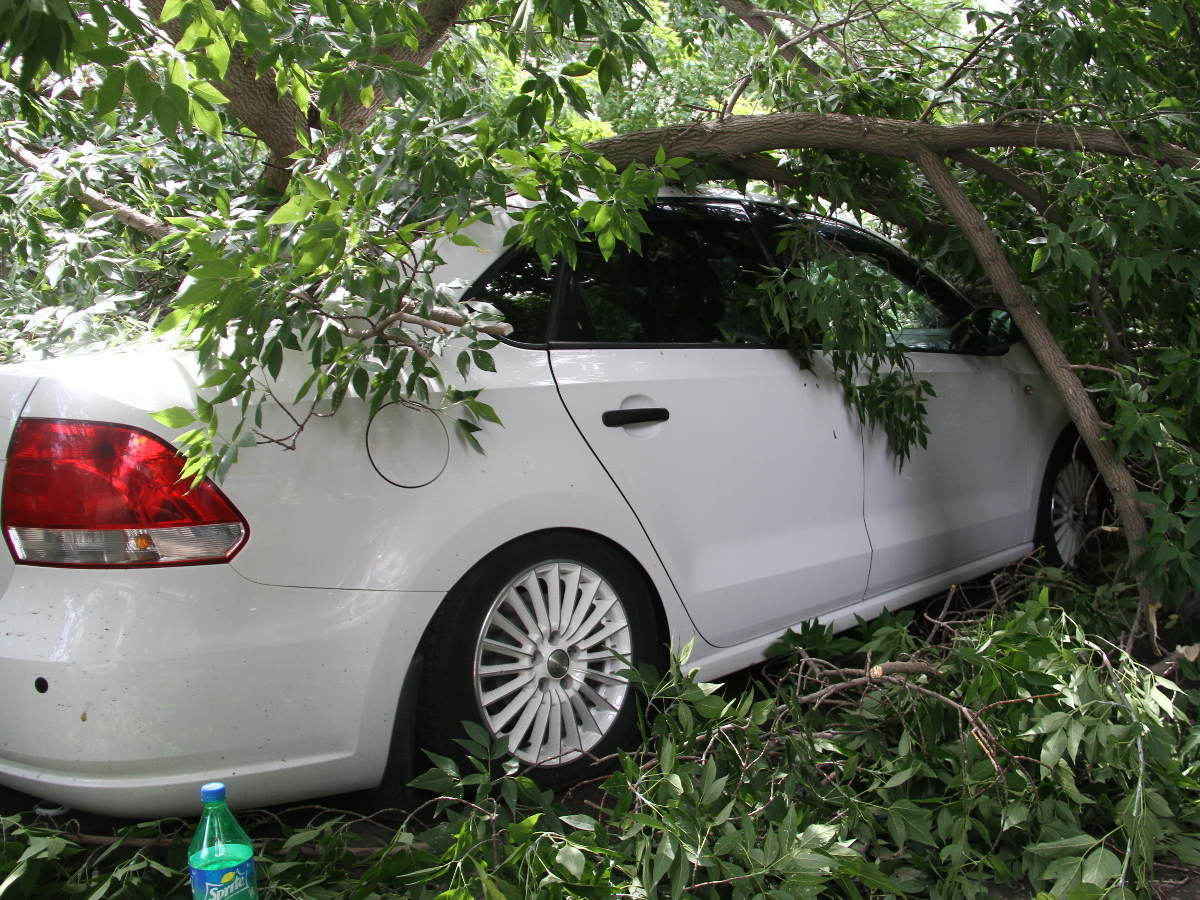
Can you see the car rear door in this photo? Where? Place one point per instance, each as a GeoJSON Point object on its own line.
{"type": "Point", "coordinates": [745, 471]}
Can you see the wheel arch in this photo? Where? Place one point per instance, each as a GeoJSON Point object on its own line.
{"type": "Point", "coordinates": [661, 621]}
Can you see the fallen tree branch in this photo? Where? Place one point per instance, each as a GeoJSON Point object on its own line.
{"type": "Point", "coordinates": [123, 213]}
{"type": "Point", "coordinates": [903, 668]}
{"type": "Point", "coordinates": [1049, 353]}
{"type": "Point", "coordinates": [736, 137]}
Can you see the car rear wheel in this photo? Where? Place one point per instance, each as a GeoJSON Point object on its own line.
{"type": "Point", "coordinates": [1072, 497]}
{"type": "Point", "coordinates": [531, 646]}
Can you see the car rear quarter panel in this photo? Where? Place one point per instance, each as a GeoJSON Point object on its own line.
{"type": "Point", "coordinates": [321, 516]}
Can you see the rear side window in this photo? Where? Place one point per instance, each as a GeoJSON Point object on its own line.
{"type": "Point", "coordinates": [521, 289]}
{"type": "Point", "coordinates": [690, 284]}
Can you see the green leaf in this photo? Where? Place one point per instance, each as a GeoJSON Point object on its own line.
{"type": "Point", "coordinates": [206, 120]}
{"type": "Point", "coordinates": [663, 857]}
{"type": "Point", "coordinates": [166, 113]}
{"type": "Point", "coordinates": [1101, 867]}
{"type": "Point", "coordinates": [174, 417]}
{"type": "Point", "coordinates": [408, 67]}
{"type": "Point", "coordinates": [219, 54]}
{"type": "Point", "coordinates": [570, 858]}
{"type": "Point", "coordinates": [255, 30]}
{"type": "Point", "coordinates": [106, 56]}
{"type": "Point", "coordinates": [172, 9]}
{"type": "Point", "coordinates": [576, 70]}
{"type": "Point", "coordinates": [900, 777]}
{"type": "Point", "coordinates": [172, 320]}
{"type": "Point", "coordinates": [273, 358]}
{"type": "Point", "coordinates": [108, 96]}
{"type": "Point", "coordinates": [1072, 846]}
{"type": "Point", "coordinates": [196, 292]}
{"type": "Point", "coordinates": [522, 831]}
{"type": "Point", "coordinates": [580, 822]}
{"type": "Point", "coordinates": [467, 431]}
{"type": "Point", "coordinates": [294, 210]}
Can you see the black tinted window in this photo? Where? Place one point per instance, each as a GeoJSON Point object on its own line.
{"type": "Point", "coordinates": [689, 284]}
{"type": "Point", "coordinates": [521, 289]}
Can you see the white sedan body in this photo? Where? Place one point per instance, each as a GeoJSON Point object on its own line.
{"type": "Point", "coordinates": [759, 504]}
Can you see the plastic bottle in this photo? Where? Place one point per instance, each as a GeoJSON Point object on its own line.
{"type": "Point", "coordinates": [220, 857]}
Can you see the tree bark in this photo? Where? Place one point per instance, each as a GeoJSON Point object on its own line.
{"type": "Point", "coordinates": [1047, 351]}
{"type": "Point", "coordinates": [255, 101]}
{"type": "Point", "coordinates": [725, 140]}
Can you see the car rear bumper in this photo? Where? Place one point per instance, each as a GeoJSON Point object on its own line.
{"type": "Point", "coordinates": [121, 691]}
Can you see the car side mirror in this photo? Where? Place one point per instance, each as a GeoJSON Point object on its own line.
{"type": "Point", "coordinates": [987, 331]}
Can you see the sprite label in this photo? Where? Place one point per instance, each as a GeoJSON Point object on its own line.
{"type": "Point", "coordinates": [234, 883]}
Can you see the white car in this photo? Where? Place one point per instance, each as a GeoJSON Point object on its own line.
{"type": "Point", "coordinates": [662, 473]}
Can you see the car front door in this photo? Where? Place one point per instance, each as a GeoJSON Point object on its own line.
{"type": "Point", "coordinates": [745, 471]}
{"type": "Point", "coordinates": [965, 496]}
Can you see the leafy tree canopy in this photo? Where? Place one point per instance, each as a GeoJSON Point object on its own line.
{"type": "Point", "coordinates": [264, 175]}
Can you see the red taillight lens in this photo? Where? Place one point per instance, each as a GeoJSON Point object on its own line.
{"type": "Point", "coordinates": [95, 494]}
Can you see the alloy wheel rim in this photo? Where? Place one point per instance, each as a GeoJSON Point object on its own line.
{"type": "Point", "coordinates": [1071, 508]}
{"type": "Point", "coordinates": [547, 659]}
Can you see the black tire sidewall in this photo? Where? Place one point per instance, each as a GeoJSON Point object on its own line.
{"type": "Point", "coordinates": [448, 689]}
{"type": "Point", "coordinates": [1068, 447]}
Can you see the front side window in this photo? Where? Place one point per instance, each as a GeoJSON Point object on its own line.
{"type": "Point", "coordinates": [920, 311]}
{"type": "Point", "coordinates": [690, 284]}
{"type": "Point", "coordinates": [915, 321]}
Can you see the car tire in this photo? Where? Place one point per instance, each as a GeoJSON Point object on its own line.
{"type": "Point", "coordinates": [505, 651]}
{"type": "Point", "coordinates": [1071, 502]}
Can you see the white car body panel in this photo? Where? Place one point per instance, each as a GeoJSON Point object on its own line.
{"type": "Point", "coordinates": [326, 602]}
{"type": "Point", "coordinates": [359, 531]}
{"type": "Point", "coordinates": [751, 491]}
{"type": "Point", "coordinates": [155, 681]}
{"type": "Point", "coordinates": [718, 662]}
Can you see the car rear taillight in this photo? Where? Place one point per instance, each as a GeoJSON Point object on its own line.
{"type": "Point", "coordinates": [98, 494]}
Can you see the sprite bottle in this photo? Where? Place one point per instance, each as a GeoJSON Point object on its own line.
{"type": "Point", "coordinates": [220, 857]}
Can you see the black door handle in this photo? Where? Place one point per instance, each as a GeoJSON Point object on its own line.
{"type": "Point", "coordinates": [615, 418]}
